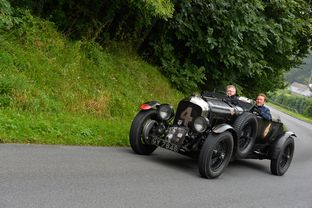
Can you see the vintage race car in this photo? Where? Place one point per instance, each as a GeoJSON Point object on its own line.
{"type": "Point", "coordinates": [214, 129]}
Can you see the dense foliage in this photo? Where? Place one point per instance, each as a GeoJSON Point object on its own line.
{"type": "Point", "coordinates": [6, 19]}
{"type": "Point", "coordinates": [101, 20]}
{"type": "Point", "coordinates": [248, 43]}
{"type": "Point", "coordinates": [198, 43]}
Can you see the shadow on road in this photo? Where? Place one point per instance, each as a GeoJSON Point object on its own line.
{"type": "Point", "coordinates": [169, 159]}
{"type": "Point", "coordinates": [189, 165]}
{"type": "Point", "coordinates": [249, 164]}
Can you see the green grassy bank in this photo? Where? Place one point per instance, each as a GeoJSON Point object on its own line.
{"type": "Point", "coordinates": [296, 115]}
{"type": "Point", "coordinates": [57, 91]}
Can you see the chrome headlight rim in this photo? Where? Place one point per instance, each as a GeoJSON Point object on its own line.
{"type": "Point", "coordinates": [201, 124]}
{"type": "Point", "coordinates": [164, 112]}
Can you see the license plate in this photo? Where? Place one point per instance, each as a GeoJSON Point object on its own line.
{"type": "Point", "coordinates": [164, 144]}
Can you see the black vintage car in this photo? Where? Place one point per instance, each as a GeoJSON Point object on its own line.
{"type": "Point", "coordinates": [214, 129]}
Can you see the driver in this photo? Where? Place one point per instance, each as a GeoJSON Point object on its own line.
{"type": "Point", "coordinates": [264, 111]}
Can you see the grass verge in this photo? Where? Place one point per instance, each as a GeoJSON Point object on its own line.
{"type": "Point", "coordinates": [59, 91]}
{"type": "Point", "coordinates": [296, 115]}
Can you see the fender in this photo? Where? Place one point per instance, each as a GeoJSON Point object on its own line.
{"type": "Point", "coordinates": [277, 146]}
{"type": "Point", "coordinates": [224, 127]}
{"type": "Point", "coordinates": [149, 105]}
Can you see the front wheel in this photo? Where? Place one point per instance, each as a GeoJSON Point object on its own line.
{"type": "Point", "coordinates": [215, 154]}
{"type": "Point", "coordinates": [141, 126]}
{"type": "Point", "coordinates": [280, 165]}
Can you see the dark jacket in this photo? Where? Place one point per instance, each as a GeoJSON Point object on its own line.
{"type": "Point", "coordinates": [233, 99]}
{"type": "Point", "coordinates": [265, 113]}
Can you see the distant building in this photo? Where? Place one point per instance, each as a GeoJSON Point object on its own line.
{"type": "Point", "coordinates": [300, 89]}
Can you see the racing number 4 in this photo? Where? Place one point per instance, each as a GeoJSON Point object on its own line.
{"type": "Point", "coordinates": [186, 115]}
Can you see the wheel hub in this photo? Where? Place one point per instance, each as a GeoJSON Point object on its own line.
{"type": "Point", "coordinates": [147, 129]}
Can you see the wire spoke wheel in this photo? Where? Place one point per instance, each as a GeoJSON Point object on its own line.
{"type": "Point", "coordinates": [141, 130]}
{"type": "Point", "coordinates": [245, 138]}
{"type": "Point", "coordinates": [148, 131]}
{"type": "Point", "coordinates": [285, 157]}
{"type": "Point", "coordinates": [282, 156]}
{"type": "Point", "coordinates": [218, 155]}
{"type": "Point", "coordinates": [215, 154]}
{"type": "Point", "coordinates": [246, 126]}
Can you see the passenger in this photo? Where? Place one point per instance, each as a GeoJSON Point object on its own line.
{"type": "Point", "coordinates": [231, 93]}
{"type": "Point", "coordinates": [264, 111]}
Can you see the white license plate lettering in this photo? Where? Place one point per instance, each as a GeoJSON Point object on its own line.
{"type": "Point", "coordinates": [165, 145]}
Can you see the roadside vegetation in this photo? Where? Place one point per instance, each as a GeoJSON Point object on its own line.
{"type": "Point", "coordinates": [202, 44]}
{"type": "Point", "coordinates": [295, 103]}
{"type": "Point", "coordinates": [59, 91]}
{"type": "Point", "coordinates": [75, 72]}
{"type": "Point", "coordinates": [291, 113]}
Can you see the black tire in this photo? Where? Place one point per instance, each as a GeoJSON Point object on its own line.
{"type": "Point", "coordinates": [137, 142]}
{"type": "Point", "coordinates": [280, 165]}
{"type": "Point", "coordinates": [246, 127]}
{"type": "Point", "coordinates": [215, 154]}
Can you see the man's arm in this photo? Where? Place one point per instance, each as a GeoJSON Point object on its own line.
{"type": "Point", "coordinates": [266, 114]}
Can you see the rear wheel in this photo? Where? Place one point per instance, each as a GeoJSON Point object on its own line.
{"type": "Point", "coordinates": [141, 127]}
{"type": "Point", "coordinates": [215, 154]}
{"type": "Point", "coordinates": [280, 165]}
{"type": "Point", "coordinates": [246, 126]}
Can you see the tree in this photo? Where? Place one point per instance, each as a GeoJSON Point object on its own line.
{"type": "Point", "coordinates": [101, 19]}
{"type": "Point", "coordinates": [198, 43]}
{"type": "Point", "coordinates": [249, 43]}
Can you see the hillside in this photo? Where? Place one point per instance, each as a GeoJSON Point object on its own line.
{"type": "Point", "coordinates": [58, 91]}
{"type": "Point", "coordinates": [302, 73]}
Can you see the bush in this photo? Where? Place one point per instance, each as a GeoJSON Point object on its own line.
{"type": "Point", "coordinates": [308, 109]}
{"type": "Point", "coordinates": [6, 19]}
{"type": "Point", "coordinates": [300, 104]}
{"type": "Point", "coordinates": [198, 43]}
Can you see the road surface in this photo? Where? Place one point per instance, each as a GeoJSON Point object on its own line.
{"type": "Point", "coordinates": [44, 176]}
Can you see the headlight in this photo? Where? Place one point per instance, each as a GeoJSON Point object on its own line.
{"type": "Point", "coordinates": [201, 124]}
{"type": "Point", "coordinates": [165, 112]}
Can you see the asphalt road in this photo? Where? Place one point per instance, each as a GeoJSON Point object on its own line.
{"type": "Point", "coordinates": [39, 176]}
